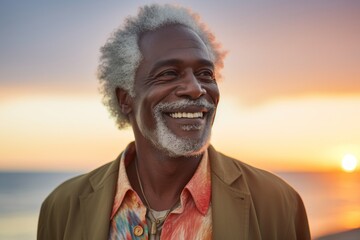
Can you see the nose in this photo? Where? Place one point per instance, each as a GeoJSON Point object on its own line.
{"type": "Point", "coordinates": [190, 87]}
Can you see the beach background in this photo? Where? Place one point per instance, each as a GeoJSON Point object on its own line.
{"type": "Point", "coordinates": [332, 200]}
{"type": "Point", "coordinates": [290, 99]}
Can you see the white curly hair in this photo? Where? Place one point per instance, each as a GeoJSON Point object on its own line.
{"type": "Point", "coordinates": [121, 56]}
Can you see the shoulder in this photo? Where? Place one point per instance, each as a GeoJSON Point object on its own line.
{"type": "Point", "coordinates": [79, 185]}
{"type": "Point", "coordinates": [67, 194]}
{"type": "Point", "coordinates": [261, 183]}
{"type": "Point", "coordinates": [265, 188]}
{"type": "Point", "coordinates": [271, 198]}
{"type": "Point", "coordinates": [63, 203]}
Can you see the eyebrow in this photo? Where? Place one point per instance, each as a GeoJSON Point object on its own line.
{"type": "Point", "coordinates": [169, 62]}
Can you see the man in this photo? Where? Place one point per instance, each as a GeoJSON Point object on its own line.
{"type": "Point", "coordinates": [158, 74]}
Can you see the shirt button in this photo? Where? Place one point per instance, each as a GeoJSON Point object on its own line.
{"type": "Point", "coordinates": [138, 230]}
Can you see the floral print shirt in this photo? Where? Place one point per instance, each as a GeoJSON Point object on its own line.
{"type": "Point", "coordinates": [190, 220]}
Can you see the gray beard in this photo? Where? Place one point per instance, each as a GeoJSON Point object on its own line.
{"type": "Point", "coordinates": [176, 146]}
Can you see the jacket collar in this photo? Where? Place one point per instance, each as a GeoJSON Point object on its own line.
{"type": "Point", "coordinates": [231, 200]}
{"type": "Point", "coordinates": [95, 207]}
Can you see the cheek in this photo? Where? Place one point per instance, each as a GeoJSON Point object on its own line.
{"type": "Point", "coordinates": [214, 93]}
{"type": "Point", "coordinates": [144, 113]}
{"type": "Point", "coordinates": [146, 101]}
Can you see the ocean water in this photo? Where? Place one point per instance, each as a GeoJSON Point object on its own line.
{"type": "Point", "coordinates": [332, 200]}
{"type": "Point", "coordinates": [21, 195]}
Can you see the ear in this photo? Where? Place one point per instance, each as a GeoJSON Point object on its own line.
{"type": "Point", "coordinates": [124, 100]}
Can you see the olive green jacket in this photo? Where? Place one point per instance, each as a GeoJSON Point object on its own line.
{"type": "Point", "coordinates": [247, 203]}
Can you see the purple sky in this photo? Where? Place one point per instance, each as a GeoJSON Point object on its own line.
{"type": "Point", "coordinates": [276, 48]}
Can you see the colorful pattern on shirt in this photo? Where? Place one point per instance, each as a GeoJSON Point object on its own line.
{"type": "Point", "coordinates": [191, 220]}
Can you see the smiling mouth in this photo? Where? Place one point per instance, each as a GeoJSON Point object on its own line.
{"type": "Point", "coordinates": [187, 115]}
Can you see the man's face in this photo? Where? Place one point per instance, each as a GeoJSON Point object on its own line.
{"type": "Point", "coordinates": [176, 92]}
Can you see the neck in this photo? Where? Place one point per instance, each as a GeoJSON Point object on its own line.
{"type": "Point", "coordinates": [162, 177]}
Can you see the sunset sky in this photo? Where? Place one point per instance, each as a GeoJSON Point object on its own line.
{"type": "Point", "coordinates": [290, 96]}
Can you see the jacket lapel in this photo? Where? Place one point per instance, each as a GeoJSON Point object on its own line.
{"type": "Point", "coordinates": [96, 206]}
{"type": "Point", "coordinates": [231, 200]}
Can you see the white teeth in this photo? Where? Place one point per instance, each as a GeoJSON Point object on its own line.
{"type": "Point", "coordinates": [186, 115]}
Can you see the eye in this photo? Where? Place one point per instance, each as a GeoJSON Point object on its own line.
{"type": "Point", "coordinates": [205, 74]}
{"type": "Point", "coordinates": [167, 75]}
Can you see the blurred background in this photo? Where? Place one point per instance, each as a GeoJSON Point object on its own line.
{"type": "Point", "coordinates": [290, 99]}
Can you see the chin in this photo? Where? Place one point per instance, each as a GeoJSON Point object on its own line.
{"type": "Point", "coordinates": [175, 146]}
{"type": "Point", "coordinates": [199, 151]}
{"type": "Point", "coordinates": [175, 154]}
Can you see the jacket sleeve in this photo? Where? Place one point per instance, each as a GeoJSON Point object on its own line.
{"type": "Point", "coordinates": [299, 226]}
{"type": "Point", "coordinates": [53, 218]}
{"type": "Point", "coordinates": [42, 230]}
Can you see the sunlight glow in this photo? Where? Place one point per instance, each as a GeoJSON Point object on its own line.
{"type": "Point", "coordinates": [349, 163]}
{"type": "Point", "coordinates": [75, 132]}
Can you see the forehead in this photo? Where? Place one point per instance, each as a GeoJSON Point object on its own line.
{"type": "Point", "coordinates": [170, 41]}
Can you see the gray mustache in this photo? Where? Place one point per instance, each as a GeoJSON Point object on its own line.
{"type": "Point", "coordinates": [184, 103]}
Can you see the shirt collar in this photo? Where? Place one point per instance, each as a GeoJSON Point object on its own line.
{"type": "Point", "coordinates": [199, 185]}
{"type": "Point", "coordinates": [123, 183]}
